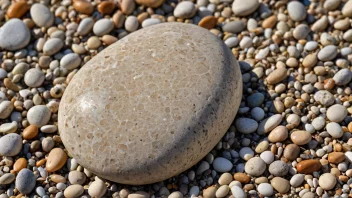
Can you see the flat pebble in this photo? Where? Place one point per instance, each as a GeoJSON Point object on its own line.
{"type": "Point", "coordinates": [222, 191]}
{"type": "Point", "coordinates": [70, 61]}
{"type": "Point", "coordinates": [150, 22]}
{"type": "Point", "coordinates": [52, 46]}
{"type": "Point", "coordinates": [244, 7]}
{"type": "Point", "coordinates": [238, 192]}
{"type": "Point", "coordinates": [225, 179]}
{"type": "Point", "coordinates": [77, 177]}
{"type": "Point", "coordinates": [291, 152]}
{"type": "Point", "coordinates": [278, 134]}
{"type": "Point", "coordinates": [131, 23]}
{"type": "Point", "coordinates": [56, 160]}
{"type": "Point", "coordinates": [327, 181]}
{"type": "Point", "coordinates": [10, 144]}
{"type": "Point", "coordinates": [278, 168]}
{"type": "Point", "coordinates": [265, 189]}
{"type": "Point", "coordinates": [73, 191]}
{"type": "Point", "coordinates": [336, 113]}
{"type": "Point", "coordinates": [185, 10]}
{"type": "Point", "coordinates": [296, 11]}
{"type": "Point", "coordinates": [103, 26]}
{"type": "Point", "coordinates": [280, 184]}
{"type": "Point", "coordinates": [255, 166]}
{"type": "Point", "coordinates": [267, 157]}
{"type": "Point", "coordinates": [301, 137]}
{"type": "Point", "coordinates": [334, 129]}
{"type": "Point", "coordinates": [41, 15]}
{"type": "Point", "coordinates": [7, 178]}
{"type": "Point", "coordinates": [221, 165]}
{"type": "Point", "coordinates": [343, 77]}
{"type": "Point", "coordinates": [14, 35]}
{"type": "Point", "coordinates": [97, 188]}
{"type": "Point", "coordinates": [297, 180]}
{"type": "Point", "coordinates": [328, 53]}
{"type": "Point", "coordinates": [246, 125]}
{"type": "Point", "coordinates": [39, 115]}
{"type": "Point", "coordinates": [347, 9]}
{"type": "Point", "coordinates": [308, 166]}
{"type": "Point", "coordinates": [85, 26]}
{"type": "Point", "coordinates": [34, 77]}
{"type": "Point", "coordinates": [324, 97]}
{"type": "Point", "coordinates": [301, 31]}
{"type": "Point", "coordinates": [234, 27]}
{"type": "Point", "coordinates": [25, 181]}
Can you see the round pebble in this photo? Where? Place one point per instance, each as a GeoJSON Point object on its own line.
{"type": "Point", "coordinates": [34, 77]}
{"type": "Point", "coordinates": [14, 35]}
{"type": "Point", "coordinates": [10, 144]}
{"type": "Point", "coordinates": [25, 181]}
{"type": "Point", "coordinates": [39, 115]}
{"type": "Point", "coordinates": [41, 15]}
{"type": "Point", "coordinates": [255, 166]}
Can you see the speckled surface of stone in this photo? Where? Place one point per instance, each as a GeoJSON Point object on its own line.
{"type": "Point", "coordinates": [151, 105]}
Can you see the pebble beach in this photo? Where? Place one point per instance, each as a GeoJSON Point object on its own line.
{"type": "Point", "coordinates": [292, 135]}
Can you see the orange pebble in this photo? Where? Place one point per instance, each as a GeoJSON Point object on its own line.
{"type": "Point", "coordinates": [20, 164]}
{"type": "Point", "coordinates": [30, 132]}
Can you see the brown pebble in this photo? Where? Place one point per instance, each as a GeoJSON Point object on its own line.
{"type": "Point", "coordinates": [40, 162]}
{"type": "Point", "coordinates": [242, 177]}
{"type": "Point", "coordinates": [277, 76]}
{"type": "Point", "coordinates": [208, 22]}
{"type": "Point", "coordinates": [338, 147]}
{"type": "Point", "coordinates": [269, 22]}
{"type": "Point", "coordinates": [210, 192]}
{"type": "Point", "coordinates": [108, 39]}
{"type": "Point", "coordinates": [308, 166]}
{"type": "Point", "coordinates": [83, 6]}
{"type": "Point", "coordinates": [343, 178]}
{"type": "Point", "coordinates": [106, 7]}
{"type": "Point", "coordinates": [310, 60]}
{"type": "Point", "coordinates": [127, 6]}
{"type": "Point", "coordinates": [150, 3]}
{"type": "Point", "coordinates": [119, 19]}
{"type": "Point", "coordinates": [30, 132]}
{"type": "Point", "coordinates": [291, 152]}
{"type": "Point", "coordinates": [20, 164]}
{"type": "Point", "coordinates": [57, 178]}
{"type": "Point", "coordinates": [10, 85]}
{"type": "Point", "coordinates": [56, 160]}
{"type": "Point", "coordinates": [301, 137]}
{"type": "Point", "coordinates": [336, 157]}
{"type": "Point", "coordinates": [279, 134]}
{"type": "Point", "coordinates": [350, 127]}
{"type": "Point", "coordinates": [329, 84]}
{"type": "Point", "coordinates": [17, 9]}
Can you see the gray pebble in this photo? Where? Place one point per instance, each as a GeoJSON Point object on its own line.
{"type": "Point", "coordinates": [41, 15]}
{"type": "Point", "coordinates": [296, 11]}
{"type": "Point", "coordinates": [103, 26]}
{"type": "Point", "coordinates": [34, 77]}
{"type": "Point", "coordinates": [10, 144]}
{"type": "Point", "coordinates": [85, 26]}
{"type": "Point", "coordinates": [234, 27]}
{"type": "Point", "coordinates": [328, 53]}
{"type": "Point", "coordinates": [185, 10]}
{"type": "Point", "coordinates": [14, 35]}
{"type": "Point", "coordinates": [70, 61]}
{"type": "Point", "coordinates": [25, 181]}
{"type": "Point", "coordinates": [39, 115]}
{"type": "Point", "coordinates": [52, 46]}
{"type": "Point", "coordinates": [343, 77]}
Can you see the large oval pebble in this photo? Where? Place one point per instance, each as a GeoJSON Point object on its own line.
{"type": "Point", "coordinates": [152, 104]}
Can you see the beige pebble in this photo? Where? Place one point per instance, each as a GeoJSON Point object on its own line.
{"type": "Point", "coordinates": [73, 191]}
{"type": "Point", "coordinates": [56, 160]}
{"type": "Point", "coordinates": [301, 137]}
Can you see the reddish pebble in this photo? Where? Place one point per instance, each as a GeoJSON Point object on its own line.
{"type": "Point", "coordinates": [83, 6]}
{"type": "Point", "coordinates": [17, 9]}
{"type": "Point", "coordinates": [106, 7]}
{"type": "Point", "coordinates": [308, 166]}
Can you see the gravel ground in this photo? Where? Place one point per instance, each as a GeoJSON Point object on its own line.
{"type": "Point", "coordinates": [291, 136]}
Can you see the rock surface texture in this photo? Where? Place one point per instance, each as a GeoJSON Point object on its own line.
{"type": "Point", "coordinates": [151, 105]}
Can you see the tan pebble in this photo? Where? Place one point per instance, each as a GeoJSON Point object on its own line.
{"type": "Point", "coordinates": [57, 178]}
{"type": "Point", "coordinates": [20, 164]}
{"type": "Point", "coordinates": [142, 16]}
{"type": "Point", "coordinates": [73, 191]}
{"type": "Point", "coordinates": [56, 160]}
{"type": "Point", "coordinates": [291, 152]}
{"type": "Point", "coordinates": [280, 184]}
{"type": "Point", "coordinates": [260, 180]}
{"type": "Point", "coordinates": [40, 162]}
{"type": "Point", "coordinates": [262, 146]}
{"type": "Point", "coordinates": [269, 22]}
{"type": "Point", "coordinates": [127, 6]}
{"type": "Point", "coordinates": [76, 177]}
{"type": "Point", "coordinates": [349, 127]}
{"type": "Point", "coordinates": [301, 137]}
{"type": "Point", "coordinates": [343, 178]}
{"type": "Point", "coordinates": [248, 187]}
{"type": "Point", "coordinates": [242, 177]}
{"type": "Point", "coordinates": [338, 147]}
{"type": "Point", "coordinates": [210, 192]}
{"type": "Point", "coordinates": [106, 7]}
{"type": "Point", "coordinates": [118, 19]}
{"type": "Point", "coordinates": [335, 172]}
{"type": "Point", "coordinates": [124, 193]}
{"type": "Point", "coordinates": [208, 22]}
{"type": "Point", "coordinates": [292, 62]}
{"type": "Point", "coordinates": [222, 191]}
{"type": "Point", "coordinates": [83, 6]}
{"type": "Point", "coordinates": [139, 194]}
{"type": "Point", "coordinates": [108, 39]}
{"type": "Point", "coordinates": [310, 60]}
{"type": "Point", "coordinates": [277, 76]}
{"type": "Point", "coordinates": [327, 181]}
{"type": "Point", "coordinates": [336, 157]}
{"type": "Point", "coordinates": [17, 9]}
{"type": "Point", "coordinates": [150, 3]}
{"type": "Point", "coordinates": [97, 188]}
{"type": "Point", "coordinates": [93, 42]}
{"type": "Point", "coordinates": [308, 166]}
{"type": "Point", "coordinates": [279, 134]}
{"type": "Point", "coordinates": [30, 132]}
{"type": "Point", "coordinates": [278, 106]}
{"type": "Point", "coordinates": [349, 173]}
{"type": "Point", "coordinates": [225, 179]}
{"type": "Point", "coordinates": [10, 85]}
